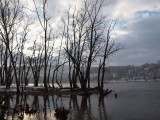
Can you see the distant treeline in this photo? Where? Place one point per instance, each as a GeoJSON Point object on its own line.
{"type": "Point", "coordinates": [143, 72]}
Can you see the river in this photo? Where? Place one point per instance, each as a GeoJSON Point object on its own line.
{"type": "Point", "coordinates": [135, 101]}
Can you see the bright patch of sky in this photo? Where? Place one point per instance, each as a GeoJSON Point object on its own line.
{"type": "Point", "coordinates": [148, 12]}
{"type": "Point", "coordinates": [137, 27]}
{"type": "Point", "coordinates": [121, 22]}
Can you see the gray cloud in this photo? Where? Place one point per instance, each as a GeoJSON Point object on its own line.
{"type": "Point", "coordinates": [142, 43]}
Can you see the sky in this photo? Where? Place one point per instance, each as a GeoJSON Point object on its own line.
{"type": "Point", "coordinates": [137, 28]}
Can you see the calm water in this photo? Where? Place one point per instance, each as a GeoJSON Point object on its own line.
{"type": "Point", "coordinates": [136, 101]}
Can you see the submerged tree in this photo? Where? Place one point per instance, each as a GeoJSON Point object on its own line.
{"type": "Point", "coordinates": [109, 48]}
{"type": "Point", "coordinates": [85, 34]}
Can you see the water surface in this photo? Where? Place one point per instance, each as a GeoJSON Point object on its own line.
{"type": "Point", "coordinates": [135, 101]}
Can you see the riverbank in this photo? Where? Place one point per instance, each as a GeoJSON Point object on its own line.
{"type": "Point", "coordinates": [57, 91]}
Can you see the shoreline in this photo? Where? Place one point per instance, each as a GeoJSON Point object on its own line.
{"type": "Point", "coordinates": [52, 91]}
{"type": "Point", "coordinates": [40, 90]}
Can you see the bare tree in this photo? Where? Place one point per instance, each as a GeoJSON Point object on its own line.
{"type": "Point", "coordinates": [75, 36]}
{"type": "Point", "coordinates": [2, 66]}
{"type": "Point", "coordinates": [26, 71]}
{"type": "Point", "coordinates": [85, 31]}
{"type": "Point", "coordinates": [81, 45]}
{"type": "Point", "coordinates": [109, 48]}
{"type": "Point", "coordinates": [11, 17]}
{"type": "Point", "coordinates": [36, 62]}
{"type": "Point", "coordinates": [44, 22]}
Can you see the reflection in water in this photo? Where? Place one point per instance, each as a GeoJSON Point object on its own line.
{"type": "Point", "coordinates": [102, 108]}
{"type": "Point", "coordinates": [43, 107]}
{"type": "Point", "coordinates": [132, 101]}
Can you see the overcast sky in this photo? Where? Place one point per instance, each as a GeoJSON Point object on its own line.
{"type": "Point", "coordinates": [138, 27]}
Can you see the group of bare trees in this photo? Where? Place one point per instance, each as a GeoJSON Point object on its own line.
{"type": "Point", "coordinates": [85, 41]}
{"type": "Point", "coordinates": [88, 40]}
{"type": "Point", "coordinates": [13, 37]}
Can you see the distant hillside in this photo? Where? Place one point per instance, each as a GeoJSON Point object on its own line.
{"type": "Point", "coordinates": [143, 72]}
{"type": "Point", "coordinates": [112, 72]}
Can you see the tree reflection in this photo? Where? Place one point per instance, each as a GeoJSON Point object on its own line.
{"type": "Point", "coordinates": [102, 108]}
{"type": "Point", "coordinates": [36, 102]}
{"type": "Point", "coordinates": [4, 107]}
{"type": "Point", "coordinates": [43, 107]}
{"type": "Point", "coordinates": [45, 98]}
{"type": "Point", "coordinates": [80, 110]}
{"type": "Point", "coordinates": [73, 103]}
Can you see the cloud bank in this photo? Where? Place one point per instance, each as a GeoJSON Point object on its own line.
{"type": "Point", "coordinates": [138, 27]}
